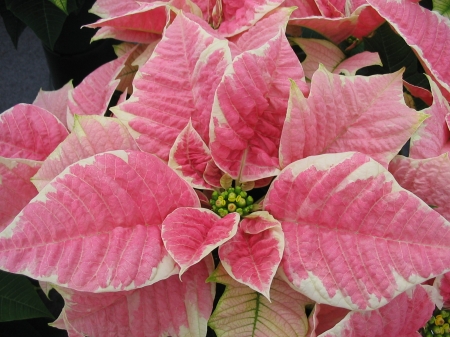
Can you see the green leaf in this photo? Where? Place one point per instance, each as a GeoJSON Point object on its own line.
{"type": "Point", "coordinates": [13, 25]}
{"type": "Point", "coordinates": [442, 7]}
{"type": "Point", "coordinates": [243, 312]}
{"type": "Point", "coordinates": [67, 6]}
{"type": "Point", "coordinates": [42, 16]}
{"type": "Point", "coordinates": [395, 54]}
{"type": "Point", "coordinates": [18, 299]}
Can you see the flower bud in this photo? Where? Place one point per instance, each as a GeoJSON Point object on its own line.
{"type": "Point", "coordinates": [231, 207]}
{"type": "Point", "coordinates": [249, 200]}
{"type": "Point", "coordinates": [215, 195]}
{"type": "Point", "coordinates": [240, 201]}
{"type": "Point", "coordinates": [232, 197]}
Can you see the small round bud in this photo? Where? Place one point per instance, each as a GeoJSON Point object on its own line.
{"type": "Point", "coordinates": [445, 313]}
{"type": "Point", "coordinates": [240, 211]}
{"type": "Point", "coordinates": [223, 212]}
{"type": "Point", "coordinates": [220, 202]}
{"type": "Point", "coordinates": [238, 189]}
{"type": "Point", "coordinates": [446, 328]}
{"type": "Point", "coordinates": [249, 200]}
{"type": "Point", "coordinates": [240, 201]}
{"type": "Point", "coordinates": [437, 329]}
{"type": "Point", "coordinates": [243, 194]}
{"type": "Point", "coordinates": [232, 197]}
{"type": "Point", "coordinates": [230, 190]}
{"type": "Point", "coordinates": [214, 208]}
{"type": "Point", "coordinates": [439, 320]}
{"type": "Point", "coordinates": [224, 195]}
{"type": "Point", "coordinates": [231, 207]}
{"type": "Point", "coordinates": [215, 195]}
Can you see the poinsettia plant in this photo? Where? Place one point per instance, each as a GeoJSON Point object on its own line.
{"type": "Point", "coordinates": [255, 145]}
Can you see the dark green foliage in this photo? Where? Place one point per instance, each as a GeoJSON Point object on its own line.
{"type": "Point", "coordinates": [19, 299]}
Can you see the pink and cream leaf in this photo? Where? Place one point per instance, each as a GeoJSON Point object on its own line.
{"type": "Point", "coordinates": [323, 318]}
{"type": "Point", "coordinates": [189, 157]}
{"type": "Point", "coordinates": [190, 234]}
{"type": "Point", "coordinates": [353, 237]}
{"type": "Point", "coordinates": [348, 113]}
{"type": "Point", "coordinates": [134, 36]}
{"type": "Point", "coordinates": [90, 135]}
{"type": "Point", "coordinates": [433, 136]}
{"type": "Point", "coordinates": [401, 317]}
{"type": "Point", "coordinates": [29, 132]}
{"type": "Point", "coordinates": [360, 23]}
{"type": "Point", "coordinates": [426, 32]}
{"type": "Point", "coordinates": [16, 189]}
{"type": "Point", "coordinates": [332, 58]}
{"type": "Point", "coordinates": [442, 284]}
{"type": "Point", "coordinates": [263, 30]}
{"type": "Point", "coordinates": [242, 311]}
{"type": "Point", "coordinates": [250, 107]}
{"type": "Point", "coordinates": [427, 178]}
{"type": "Point", "coordinates": [240, 16]}
{"type": "Point", "coordinates": [92, 95]}
{"type": "Point", "coordinates": [304, 8]}
{"type": "Point", "coordinates": [252, 256]}
{"type": "Point", "coordinates": [55, 101]}
{"type": "Point", "coordinates": [175, 85]}
{"type": "Point", "coordinates": [147, 17]}
{"type": "Point", "coordinates": [96, 226]}
{"type": "Point", "coordinates": [183, 308]}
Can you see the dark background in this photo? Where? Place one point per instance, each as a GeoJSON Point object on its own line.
{"type": "Point", "coordinates": [23, 71]}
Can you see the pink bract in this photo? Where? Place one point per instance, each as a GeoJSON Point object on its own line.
{"type": "Point", "coordinates": [117, 245]}
{"type": "Point", "coordinates": [352, 206]}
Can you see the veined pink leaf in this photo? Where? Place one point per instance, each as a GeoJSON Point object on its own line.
{"type": "Point", "coordinates": [166, 308]}
{"type": "Point", "coordinates": [242, 311]}
{"type": "Point", "coordinates": [250, 107]}
{"type": "Point", "coordinates": [30, 132]}
{"type": "Point", "coordinates": [401, 317]}
{"type": "Point", "coordinates": [90, 135]}
{"type": "Point", "coordinates": [339, 8]}
{"type": "Point", "coordinates": [433, 136]}
{"type": "Point", "coordinates": [360, 23]}
{"type": "Point", "coordinates": [109, 8]}
{"type": "Point", "coordinates": [125, 35]}
{"type": "Point", "coordinates": [323, 318]}
{"type": "Point", "coordinates": [92, 95]}
{"type": "Point", "coordinates": [212, 174]}
{"type": "Point", "coordinates": [189, 234]}
{"type": "Point", "coordinates": [427, 33]}
{"type": "Point", "coordinates": [55, 101]}
{"type": "Point", "coordinates": [354, 238]}
{"type": "Point", "coordinates": [149, 17]}
{"type": "Point", "coordinates": [442, 284]}
{"type": "Point", "coordinates": [429, 179]}
{"type": "Point", "coordinates": [262, 31]}
{"type": "Point", "coordinates": [252, 256]}
{"type": "Point", "coordinates": [96, 226]}
{"type": "Point", "coordinates": [16, 189]}
{"type": "Point", "coordinates": [175, 85]}
{"type": "Point", "coordinates": [304, 8]}
{"type": "Point", "coordinates": [348, 113]}
{"type": "Point", "coordinates": [333, 59]}
{"type": "Point", "coordinates": [419, 92]}
{"type": "Point", "coordinates": [189, 157]}
{"type": "Point", "coordinates": [239, 16]}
